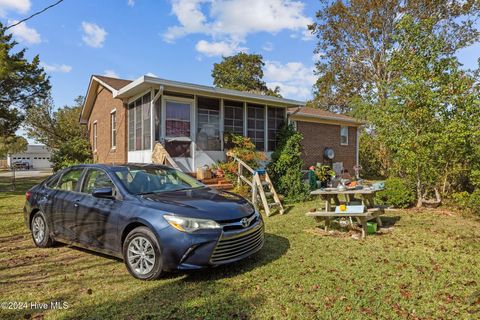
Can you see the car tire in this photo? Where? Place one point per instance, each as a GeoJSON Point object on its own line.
{"type": "Point", "coordinates": [142, 254]}
{"type": "Point", "coordinates": [40, 231]}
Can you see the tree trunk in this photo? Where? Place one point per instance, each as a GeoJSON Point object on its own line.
{"type": "Point", "coordinates": [419, 192]}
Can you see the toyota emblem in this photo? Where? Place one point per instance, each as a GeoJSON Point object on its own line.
{"type": "Point", "coordinates": [244, 222]}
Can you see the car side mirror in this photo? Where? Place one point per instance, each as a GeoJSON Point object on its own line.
{"type": "Point", "coordinates": [105, 193]}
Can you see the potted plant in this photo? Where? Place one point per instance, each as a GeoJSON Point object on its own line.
{"type": "Point", "coordinates": [324, 173]}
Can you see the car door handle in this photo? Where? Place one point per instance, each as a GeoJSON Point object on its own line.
{"type": "Point", "coordinates": [76, 203]}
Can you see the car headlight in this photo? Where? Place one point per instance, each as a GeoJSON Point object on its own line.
{"type": "Point", "coordinates": [185, 224]}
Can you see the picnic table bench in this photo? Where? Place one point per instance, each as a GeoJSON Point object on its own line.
{"type": "Point", "coordinates": [367, 198]}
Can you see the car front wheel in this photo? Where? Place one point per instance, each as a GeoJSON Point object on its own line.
{"type": "Point", "coordinates": [40, 231]}
{"type": "Point", "coordinates": [142, 255]}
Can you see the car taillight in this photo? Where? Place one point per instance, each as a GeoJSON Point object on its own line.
{"type": "Point", "coordinates": [27, 195]}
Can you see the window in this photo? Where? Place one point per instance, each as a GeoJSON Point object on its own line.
{"type": "Point", "coordinates": [95, 136]}
{"type": "Point", "coordinates": [131, 127]}
{"type": "Point", "coordinates": [233, 119]}
{"type": "Point", "coordinates": [146, 122]}
{"type": "Point", "coordinates": [141, 180]}
{"type": "Point", "coordinates": [113, 128]}
{"type": "Point", "coordinates": [256, 125]}
{"type": "Point", "coordinates": [276, 118]}
{"type": "Point", "coordinates": [139, 124]}
{"type": "Point", "coordinates": [343, 135]}
{"type": "Point", "coordinates": [158, 118]}
{"type": "Point", "coordinates": [96, 179]}
{"type": "Point", "coordinates": [52, 181]}
{"type": "Point", "coordinates": [177, 119]}
{"type": "Point", "coordinates": [208, 124]}
{"type": "Point", "coordinates": [69, 180]}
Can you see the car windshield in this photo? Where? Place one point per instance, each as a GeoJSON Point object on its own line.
{"type": "Point", "coordinates": [146, 180]}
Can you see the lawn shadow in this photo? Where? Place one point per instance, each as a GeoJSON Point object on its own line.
{"type": "Point", "coordinates": [275, 246]}
{"type": "Point", "coordinates": [389, 222]}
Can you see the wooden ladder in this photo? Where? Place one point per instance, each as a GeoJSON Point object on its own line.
{"type": "Point", "coordinates": [260, 189]}
{"type": "Point", "coordinates": [161, 156]}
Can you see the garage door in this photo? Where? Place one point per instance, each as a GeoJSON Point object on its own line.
{"type": "Point", "coordinates": [41, 162]}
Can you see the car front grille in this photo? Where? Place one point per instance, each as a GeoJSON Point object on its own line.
{"type": "Point", "coordinates": [230, 248]}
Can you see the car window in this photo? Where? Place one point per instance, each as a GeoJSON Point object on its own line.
{"type": "Point", "coordinates": [96, 179]}
{"type": "Point", "coordinates": [52, 181]}
{"type": "Point", "coordinates": [69, 180]}
{"type": "Point", "coordinates": [142, 180]}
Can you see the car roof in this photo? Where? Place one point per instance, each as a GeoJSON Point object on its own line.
{"type": "Point", "coordinates": [129, 164]}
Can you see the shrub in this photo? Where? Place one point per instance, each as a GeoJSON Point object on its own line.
{"type": "Point", "coordinates": [244, 149]}
{"type": "Point", "coordinates": [398, 193]}
{"type": "Point", "coordinates": [469, 202]}
{"type": "Point", "coordinates": [285, 169]}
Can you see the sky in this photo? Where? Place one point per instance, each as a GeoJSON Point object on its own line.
{"type": "Point", "coordinates": [171, 39]}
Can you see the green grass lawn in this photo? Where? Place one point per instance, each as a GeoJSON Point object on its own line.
{"type": "Point", "coordinates": [427, 267]}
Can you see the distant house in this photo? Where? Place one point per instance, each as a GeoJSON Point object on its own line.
{"type": "Point", "coordinates": [126, 118]}
{"type": "Point", "coordinates": [37, 155]}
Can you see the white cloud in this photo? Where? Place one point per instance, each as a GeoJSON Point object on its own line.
{"type": "Point", "coordinates": [24, 33]}
{"type": "Point", "coordinates": [63, 68]}
{"type": "Point", "coordinates": [94, 35]}
{"type": "Point", "coordinates": [151, 74]}
{"type": "Point", "coordinates": [268, 46]}
{"type": "Point", "coordinates": [294, 78]}
{"type": "Point", "coordinates": [221, 48]}
{"type": "Point", "coordinates": [233, 20]}
{"type": "Point", "coordinates": [19, 6]}
{"type": "Point", "coordinates": [131, 3]}
{"type": "Point", "coordinates": [110, 73]}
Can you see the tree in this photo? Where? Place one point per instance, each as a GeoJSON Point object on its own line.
{"type": "Point", "coordinates": [285, 169]}
{"type": "Point", "coordinates": [242, 72]}
{"type": "Point", "coordinates": [12, 144]}
{"type": "Point", "coordinates": [61, 131]}
{"type": "Point", "coordinates": [430, 121]}
{"type": "Point", "coordinates": [356, 41]}
{"type": "Point", "coordinates": [22, 84]}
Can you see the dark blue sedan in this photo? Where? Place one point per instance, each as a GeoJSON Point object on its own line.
{"type": "Point", "coordinates": [153, 217]}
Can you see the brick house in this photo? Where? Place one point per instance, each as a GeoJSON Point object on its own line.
{"type": "Point", "coordinates": [127, 118]}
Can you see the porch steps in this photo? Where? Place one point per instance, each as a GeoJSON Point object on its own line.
{"type": "Point", "coordinates": [216, 183]}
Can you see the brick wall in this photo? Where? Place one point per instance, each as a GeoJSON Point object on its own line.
{"type": "Point", "coordinates": [318, 136]}
{"type": "Point", "coordinates": [103, 106]}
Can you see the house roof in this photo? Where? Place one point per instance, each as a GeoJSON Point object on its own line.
{"type": "Point", "coordinates": [125, 89]}
{"type": "Point", "coordinates": [320, 115]}
{"type": "Point", "coordinates": [115, 83]}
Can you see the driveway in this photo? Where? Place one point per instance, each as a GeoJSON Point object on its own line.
{"type": "Point", "coordinates": [27, 173]}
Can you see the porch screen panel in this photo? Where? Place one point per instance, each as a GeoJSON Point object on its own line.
{"type": "Point", "coordinates": [208, 124]}
{"type": "Point", "coordinates": [138, 124]}
{"type": "Point", "coordinates": [256, 125]}
{"type": "Point", "coordinates": [177, 119]}
{"type": "Point", "coordinates": [276, 118]}
{"type": "Point", "coordinates": [158, 118]}
{"type": "Point", "coordinates": [146, 121]}
{"type": "Point", "coordinates": [233, 118]}
{"type": "Point", "coordinates": [131, 127]}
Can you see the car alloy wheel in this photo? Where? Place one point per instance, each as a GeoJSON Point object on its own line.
{"type": "Point", "coordinates": [141, 255]}
{"type": "Point", "coordinates": [38, 229]}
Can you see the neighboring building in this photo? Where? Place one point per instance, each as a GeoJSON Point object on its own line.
{"type": "Point", "coordinates": [126, 118]}
{"type": "Point", "coordinates": [37, 155]}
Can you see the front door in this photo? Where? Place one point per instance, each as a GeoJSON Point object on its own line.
{"type": "Point", "coordinates": [179, 132]}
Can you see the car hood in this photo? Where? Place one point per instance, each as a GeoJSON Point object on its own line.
{"type": "Point", "coordinates": [205, 203]}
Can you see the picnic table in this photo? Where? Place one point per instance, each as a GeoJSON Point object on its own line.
{"type": "Point", "coordinates": [367, 197]}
